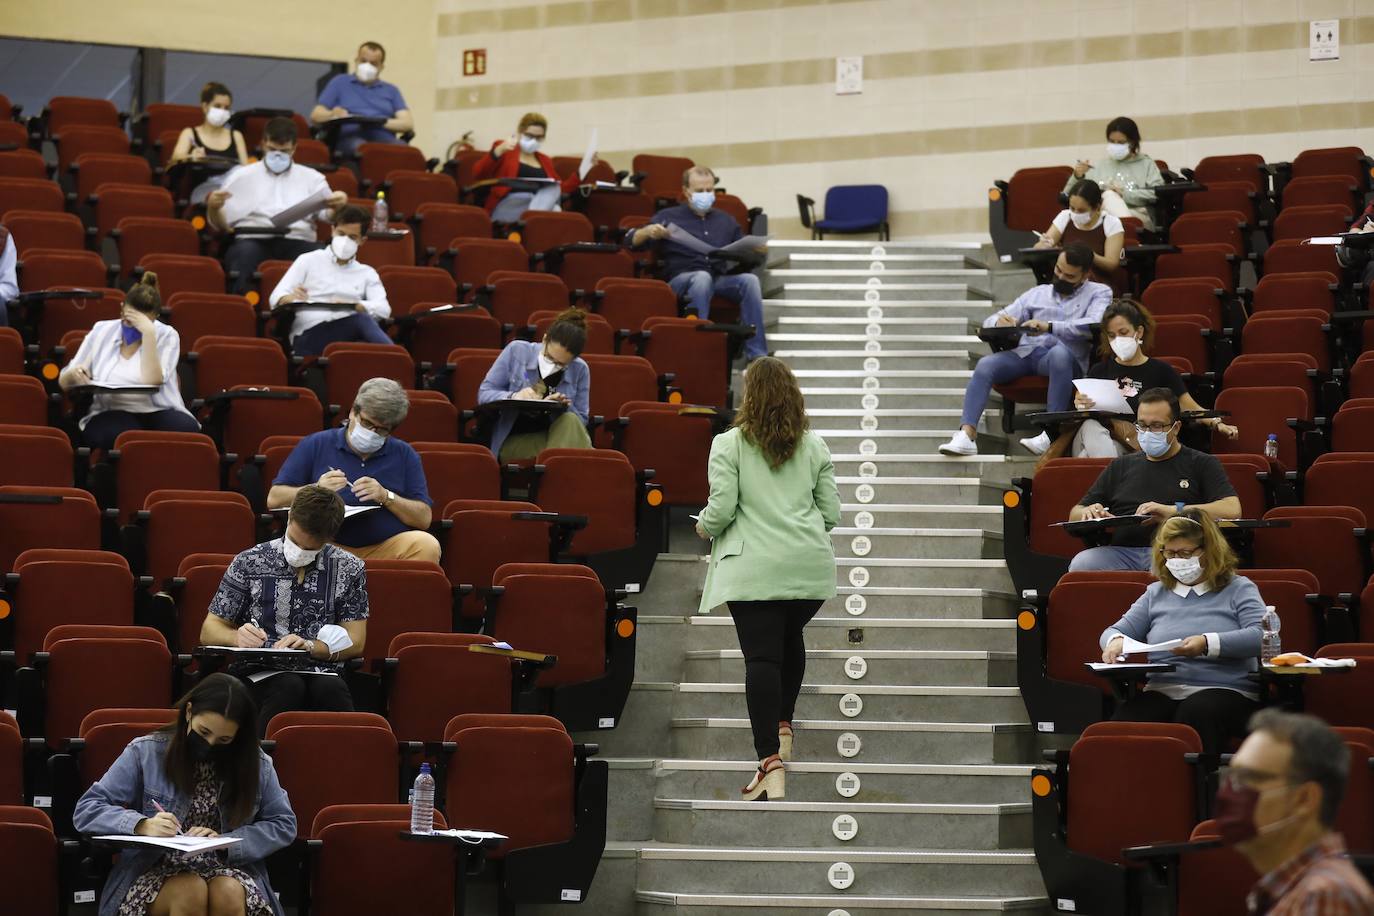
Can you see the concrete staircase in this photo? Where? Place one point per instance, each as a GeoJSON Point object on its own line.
{"type": "Point", "coordinates": [909, 790]}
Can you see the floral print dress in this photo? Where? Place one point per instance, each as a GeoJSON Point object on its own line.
{"type": "Point", "coordinates": [204, 813]}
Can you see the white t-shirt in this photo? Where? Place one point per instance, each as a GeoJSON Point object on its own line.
{"type": "Point", "coordinates": [326, 280]}
{"type": "Point", "coordinates": [1110, 224]}
{"type": "Point", "coordinates": [256, 195]}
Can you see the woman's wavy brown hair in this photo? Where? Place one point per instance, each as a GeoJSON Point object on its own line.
{"type": "Point", "coordinates": [773, 415]}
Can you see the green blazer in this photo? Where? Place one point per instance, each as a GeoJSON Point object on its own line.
{"type": "Point", "coordinates": [769, 528]}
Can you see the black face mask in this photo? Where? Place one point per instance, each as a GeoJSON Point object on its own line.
{"type": "Point", "coordinates": [202, 750]}
{"type": "Point", "coordinates": [1064, 287]}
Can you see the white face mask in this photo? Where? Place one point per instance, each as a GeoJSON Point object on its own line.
{"type": "Point", "coordinates": [1081, 220]}
{"type": "Point", "coordinates": [1186, 570]}
{"type": "Point", "coordinates": [218, 117]}
{"type": "Point", "coordinates": [1118, 151]}
{"type": "Point", "coordinates": [343, 247]}
{"type": "Point", "coordinates": [296, 556]}
{"type": "Point", "coordinates": [529, 144]}
{"type": "Point", "coordinates": [1125, 348]}
{"type": "Point", "coordinates": [547, 367]}
{"type": "Point", "coordinates": [364, 440]}
{"type": "Point", "coordinates": [366, 72]}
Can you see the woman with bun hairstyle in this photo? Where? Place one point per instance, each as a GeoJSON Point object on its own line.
{"type": "Point", "coordinates": [551, 369]}
{"type": "Point", "coordinates": [133, 350]}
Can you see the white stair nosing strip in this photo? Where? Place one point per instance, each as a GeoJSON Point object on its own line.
{"type": "Point", "coordinates": [917, 591]}
{"type": "Point", "coordinates": [914, 532]}
{"type": "Point", "coordinates": [920, 563]}
{"type": "Point", "coordinates": [831, 725]}
{"type": "Point", "coordinates": [858, 854]}
{"type": "Point", "coordinates": [1001, 770]}
{"type": "Point", "coordinates": [920, 507]}
{"type": "Point", "coordinates": [908, 904]}
{"type": "Point", "coordinates": [913, 481]}
{"type": "Point", "coordinates": [876, 690]}
{"type": "Point", "coordinates": [895, 623]}
{"type": "Point", "coordinates": [855, 808]}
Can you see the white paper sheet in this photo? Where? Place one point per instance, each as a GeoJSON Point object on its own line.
{"type": "Point", "coordinates": [349, 511]}
{"type": "Point", "coordinates": [181, 844]}
{"type": "Point", "coordinates": [237, 649]}
{"type": "Point", "coordinates": [1326, 240]}
{"type": "Point", "coordinates": [1105, 393]}
{"type": "Point", "coordinates": [1319, 663]}
{"type": "Point", "coordinates": [311, 205]}
{"type": "Point", "coordinates": [1130, 646]}
{"type": "Point", "coordinates": [684, 238]}
{"type": "Point", "coordinates": [588, 156]}
{"type": "Point", "coordinates": [1121, 666]}
{"type": "Point", "coordinates": [473, 835]}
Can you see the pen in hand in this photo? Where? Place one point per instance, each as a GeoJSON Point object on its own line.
{"type": "Point", "coordinates": [165, 811]}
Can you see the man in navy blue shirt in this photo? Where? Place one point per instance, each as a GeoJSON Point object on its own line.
{"type": "Point", "coordinates": [691, 272]}
{"type": "Point", "coordinates": [363, 93]}
{"type": "Point", "coordinates": [367, 466]}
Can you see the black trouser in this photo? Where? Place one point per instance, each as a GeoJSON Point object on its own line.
{"type": "Point", "coordinates": [770, 636]}
{"type": "Point", "coordinates": [104, 428]}
{"type": "Point", "coordinates": [290, 691]}
{"type": "Point", "coordinates": [1217, 715]}
{"type": "Point", "coordinates": [245, 254]}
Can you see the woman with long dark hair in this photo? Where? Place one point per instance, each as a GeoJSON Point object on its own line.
{"type": "Point", "coordinates": [773, 502]}
{"type": "Point", "coordinates": [203, 775]}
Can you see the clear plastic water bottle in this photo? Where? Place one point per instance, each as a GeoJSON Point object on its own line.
{"type": "Point", "coordinates": [422, 802]}
{"type": "Point", "coordinates": [1271, 447]}
{"type": "Point", "coordinates": [1270, 644]}
{"type": "Point", "coordinates": [381, 214]}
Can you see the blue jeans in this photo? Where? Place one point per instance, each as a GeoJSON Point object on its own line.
{"type": "Point", "coordinates": [356, 327]}
{"type": "Point", "coordinates": [1111, 559]}
{"type": "Point", "coordinates": [1057, 362]}
{"type": "Point", "coordinates": [699, 286]}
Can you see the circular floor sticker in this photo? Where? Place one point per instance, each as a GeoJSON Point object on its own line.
{"type": "Point", "coordinates": [868, 423]}
{"type": "Point", "coordinates": [855, 604]}
{"type": "Point", "coordinates": [869, 401]}
{"type": "Point", "coordinates": [873, 329]}
{"type": "Point", "coordinates": [873, 345]}
{"type": "Point", "coordinates": [849, 744]}
{"type": "Point", "coordinates": [875, 313]}
{"type": "Point", "coordinates": [841, 875]}
{"type": "Point", "coordinates": [868, 448]}
{"type": "Point", "coordinates": [845, 827]}
{"type": "Point", "coordinates": [838, 913]}
{"type": "Point", "coordinates": [871, 383]}
{"type": "Point", "coordinates": [864, 492]}
{"type": "Point", "coordinates": [877, 267]}
{"type": "Point", "coordinates": [878, 251]}
{"type": "Point", "coordinates": [858, 576]}
{"type": "Point", "coordinates": [855, 667]}
{"type": "Point", "coordinates": [863, 519]}
{"type": "Point", "coordinates": [872, 295]}
{"type": "Point", "coordinates": [875, 281]}
{"type": "Point", "coordinates": [868, 469]}
{"type": "Point", "coordinates": [851, 705]}
{"type": "Point", "coordinates": [847, 785]}
{"type": "Point", "coordinates": [872, 364]}
{"type": "Point", "coordinates": [861, 545]}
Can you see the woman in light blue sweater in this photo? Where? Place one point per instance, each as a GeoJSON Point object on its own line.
{"type": "Point", "coordinates": [1200, 600]}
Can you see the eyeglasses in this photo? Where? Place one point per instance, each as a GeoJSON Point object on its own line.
{"type": "Point", "coordinates": [1234, 777]}
{"type": "Point", "coordinates": [365, 423]}
{"type": "Point", "coordinates": [550, 358]}
{"type": "Point", "coordinates": [1154, 428]}
{"type": "Point", "coordinates": [1186, 553]}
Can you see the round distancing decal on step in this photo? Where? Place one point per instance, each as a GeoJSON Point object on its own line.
{"type": "Point", "coordinates": [858, 576]}
{"type": "Point", "coordinates": [831, 913]}
{"type": "Point", "coordinates": [873, 329]}
{"type": "Point", "coordinates": [851, 705]}
{"type": "Point", "coordinates": [868, 423]}
{"type": "Point", "coordinates": [876, 267]}
{"type": "Point", "coordinates": [861, 545]}
{"type": "Point", "coordinates": [863, 519]}
{"type": "Point", "coordinates": [841, 875]}
{"type": "Point", "coordinates": [864, 492]}
{"type": "Point", "coordinates": [872, 364]}
{"type": "Point", "coordinates": [872, 383]}
{"type": "Point", "coordinates": [872, 295]}
{"type": "Point", "coordinates": [855, 604]}
{"type": "Point", "coordinates": [873, 346]}
{"type": "Point", "coordinates": [877, 252]}
{"type": "Point", "coordinates": [845, 827]}
{"type": "Point", "coordinates": [855, 667]}
{"type": "Point", "coordinates": [868, 469]}
{"type": "Point", "coordinates": [875, 313]}
{"type": "Point", "coordinates": [875, 281]}
{"type": "Point", "coordinates": [849, 744]}
{"type": "Point", "coordinates": [869, 401]}
{"type": "Point", "coordinates": [847, 785]}
{"type": "Point", "coordinates": [867, 447]}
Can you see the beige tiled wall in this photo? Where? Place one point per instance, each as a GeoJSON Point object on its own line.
{"type": "Point", "coordinates": [956, 92]}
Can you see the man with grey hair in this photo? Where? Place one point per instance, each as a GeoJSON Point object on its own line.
{"type": "Point", "coordinates": [372, 470]}
{"type": "Point", "coordinates": [688, 270]}
{"type": "Point", "coordinates": [1277, 803]}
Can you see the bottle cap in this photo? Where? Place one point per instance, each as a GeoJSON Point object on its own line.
{"type": "Point", "coordinates": [424, 768]}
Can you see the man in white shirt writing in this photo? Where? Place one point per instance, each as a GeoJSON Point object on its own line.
{"type": "Point", "coordinates": [253, 194]}
{"type": "Point", "coordinates": [334, 275]}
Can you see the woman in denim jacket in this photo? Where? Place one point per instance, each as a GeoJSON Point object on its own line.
{"type": "Point", "coordinates": [204, 775]}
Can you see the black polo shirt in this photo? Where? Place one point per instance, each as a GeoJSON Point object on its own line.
{"type": "Point", "coordinates": [1190, 477]}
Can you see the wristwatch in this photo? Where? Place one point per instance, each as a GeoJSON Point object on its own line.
{"type": "Point", "coordinates": [390, 497]}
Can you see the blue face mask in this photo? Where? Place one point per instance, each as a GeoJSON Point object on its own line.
{"type": "Point", "coordinates": [703, 201]}
{"type": "Point", "coordinates": [130, 335]}
{"type": "Point", "coordinates": [1153, 444]}
{"type": "Point", "coordinates": [277, 161]}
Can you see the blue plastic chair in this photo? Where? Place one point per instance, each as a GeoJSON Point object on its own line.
{"type": "Point", "coordinates": [849, 210]}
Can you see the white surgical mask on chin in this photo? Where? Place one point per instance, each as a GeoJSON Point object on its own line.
{"type": "Point", "coordinates": [547, 367]}
{"type": "Point", "coordinates": [343, 247]}
{"type": "Point", "coordinates": [1185, 569]}
{"type": "Point", "coordinates": [1125, 348]}
{"type": "Point", "coordinates": [366, 72]}
{"type": "Point", "coordinates": [1081, 220]}
{"type": "Point", "coordinates": [218, 117]}
{"type": "Point", "coordinates": [1118, 151]}
{"type": "Point", "coordinates": [296, 556]}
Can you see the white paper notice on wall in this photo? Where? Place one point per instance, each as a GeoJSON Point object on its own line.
{"type": "Point", "coordinates": [1324, 39]}
{"type": "Point", "coordinates": [849, 75]}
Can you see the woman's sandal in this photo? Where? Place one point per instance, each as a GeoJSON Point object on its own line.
{"type": "Point", "coordinates": [769, 782]}
{"type": "Point", "coordinates": [785, 740]}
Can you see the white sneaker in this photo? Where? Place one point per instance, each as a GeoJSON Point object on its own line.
{"type": "Point", "coordinates": [1037, 444]}
{"type": "Point", "coordinates": [961, 444]}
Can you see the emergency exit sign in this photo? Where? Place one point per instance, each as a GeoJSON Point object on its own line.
{"type": "Point", "coordinates": [475, 62]}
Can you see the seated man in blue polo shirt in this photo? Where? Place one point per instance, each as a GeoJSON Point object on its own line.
{"type": "Point", "coordinates": [690, 272]}
{"type": "Point", "coordinates": [364, 93]}
{"type": "Point", "coordinates": [367, 467]}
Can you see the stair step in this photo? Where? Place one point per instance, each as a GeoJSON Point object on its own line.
{"type": "Point", "coordinates": [887, 324]}
{"type": "Point", "coordinates": [905, 441]}
{"type": "Point", "coordinates": [918, 490]}
{"type": "Point", "coordinates": [901, 292]}
{"type": "Point", "coordinates": [890, 515]}
{"type": "Point", "coordinates": [795, 341]}
{"type": "Point", "coordinates": [779, 248]}
{"type": "Point", "coordinates": [923, 572]}
{"type": "Point", "coordinates": [887, 259]}
{"type": "Point", "coordinates": [974, 310]}
{"type": "Point", "coordinates": [905, 872]}
{"type": "Point", "coordinates": [914, 667]}
{"type": "Point", "coordinates": [938, 421]}
{"type": "Point", "coordinates": [992, 470]}
{"type": "Point", "coordinates": [877, 742]}
{"type": "Point", "coordinates": [703, 822]}
{"type": "Point", "coordinates": [860, 399]}
{"type": "Point", "coordinates": [884, 703]}
{"type": "Point", "coordinates": [665, 903]}
{"type": "Point", "coordinates": [855, 360]}
{"type": "Point", "coordinates": [888, 275]}
{"type": "Point", "coordinates": [859, 604]}
{"type": "Point", "coordinates": [945, 543]}
{"type": "Point", "coordinates": [811, 376]}
{"type": "Point", "coordinates": [855, 634]}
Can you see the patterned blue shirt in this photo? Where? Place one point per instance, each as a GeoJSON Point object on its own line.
{"type": "Point", "coordinates": [262, 588]}
{"type": "Point", "coordinates": [1070, 316]}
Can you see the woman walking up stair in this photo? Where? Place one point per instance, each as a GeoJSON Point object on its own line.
{"type": "Point", "coordinates": [773, 502]}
